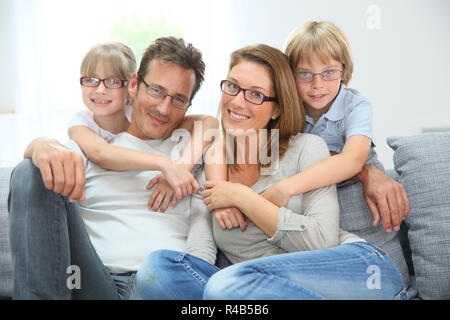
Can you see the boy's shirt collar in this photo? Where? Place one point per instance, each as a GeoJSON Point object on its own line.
{"type": "Point", "coordinates": [336, 111]}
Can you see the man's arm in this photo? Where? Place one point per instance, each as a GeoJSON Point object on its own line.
{"type": "Point", "coordinates": [62, 170]}
{"type": "Point", "coordinates": [386, 198]}
{"type": "Point", "coordinates": [200, 240]}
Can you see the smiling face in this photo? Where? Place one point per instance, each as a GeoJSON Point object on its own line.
{"type": "Point", "coordinates": [238, 113]}
{"type": "Point", "coordinates": [102, 101]}
{"type": "Point", "coordinates": [154, 119]}
{"type": "Point", "coordinates": [318, 95]}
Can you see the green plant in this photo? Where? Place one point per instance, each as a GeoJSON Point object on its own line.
{"type": "Point", "coordinates": [138, 32]}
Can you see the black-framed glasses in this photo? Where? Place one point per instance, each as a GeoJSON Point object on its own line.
{"type": "Point", "coordinates": [112, 83]}
{"type": "Point", "coordinates": [327, 75]}
{"type": "Point", "coordinates": [159, 94]}
{"type": "Point", "coordinates": [251, 96]}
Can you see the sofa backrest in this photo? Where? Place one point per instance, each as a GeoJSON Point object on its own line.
{"type": "Point", "coordinates": [356, 218]}
{"type": "Point", "coordinates": [423, 165]}
{"type": "Point", "coordinates": [5, 250]}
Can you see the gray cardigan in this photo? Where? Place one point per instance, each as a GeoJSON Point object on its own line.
{"type": "Point", "coordinates": [310, 221]}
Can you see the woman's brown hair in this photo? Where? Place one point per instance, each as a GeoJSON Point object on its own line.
{"type": "Point", "coordinates": [292, 114]}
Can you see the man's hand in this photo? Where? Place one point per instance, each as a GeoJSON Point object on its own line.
{"type": "Point", "coordinates": [172, 186]}
{"type": "Point", "coordinates": [61, 169]}
{"type": "Point", "coordinates": [162, 196]}
{"type": "Point", "coordinates": [386, 198]}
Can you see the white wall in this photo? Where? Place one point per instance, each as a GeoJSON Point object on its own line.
{"type": "Point", "coordinates": [8, 78]}
{"type": "Point", "coordinates": [402, 67]}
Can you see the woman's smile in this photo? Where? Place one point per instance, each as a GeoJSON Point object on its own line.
{"type": "Point", "coordinates": [234, 116]}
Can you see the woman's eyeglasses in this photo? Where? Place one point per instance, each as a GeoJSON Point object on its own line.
{"type": "Point", "coordinates": [251, 96]}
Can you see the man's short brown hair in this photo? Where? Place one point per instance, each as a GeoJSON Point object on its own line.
{"type": "Point", "coordinates": [176, 51]}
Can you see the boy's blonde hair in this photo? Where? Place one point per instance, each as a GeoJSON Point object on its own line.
{"type": "Point", "coordinates": [324, 39]}
{"type": "Point", "coordinates": [119, 60]}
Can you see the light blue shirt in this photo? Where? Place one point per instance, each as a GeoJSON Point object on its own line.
{"type": "Point", "coordinates": [350, 114]}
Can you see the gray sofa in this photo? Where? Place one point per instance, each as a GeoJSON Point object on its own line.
{"type": "Point", "coordinates": [421, 247]}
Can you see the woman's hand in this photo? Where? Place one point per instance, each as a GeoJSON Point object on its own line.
{"type": "Point", "coordinates": [162, 195]}
{"type": "Point", "coordinates": [230, 218]}
{"type": "Point", "coordinates": [278, 194]}
{"type": "Point", "coordinates": [222, 194]}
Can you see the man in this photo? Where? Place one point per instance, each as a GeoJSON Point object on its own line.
{"type": "Point", "coordinates": [62, 250]}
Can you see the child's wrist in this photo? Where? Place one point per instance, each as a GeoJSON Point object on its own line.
{"type": "Point", "coordinates": [363, 174]}
{"type": "Point", "coordinates": [186, 166]}
{"type": "Point", "coordinates": [287, 187]}
{"type": "Point", "coordinates": [165, 164]}
{"type": "Point", "coordinates": [241, 196]}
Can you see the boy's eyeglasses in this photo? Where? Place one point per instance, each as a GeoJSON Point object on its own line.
{"type": "Point", "coordinates": [112, 83]}
{"type": "Point", "coordinates": [159, 94]}
{"type": "Point", "coordinates": [327, 75]}
{"type": "Point", "coordinates": [251, 96]}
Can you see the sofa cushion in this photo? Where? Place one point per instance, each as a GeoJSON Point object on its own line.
{"type": "Point", "coordinates": [5, 250]}
{"type": "Point", "coordinates": [356, 218]}
{"type": "Point", "coordinates": [423, 164]}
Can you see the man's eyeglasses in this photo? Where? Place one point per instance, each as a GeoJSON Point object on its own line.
{"type": "Point", "coordinates": [327, 75]}
{"type": "Point", "coordinates": [112, 83]}
{"type": "Point", "coordinates": [159, 94]}
{"type": "Point", "coordinates": [251, 96]}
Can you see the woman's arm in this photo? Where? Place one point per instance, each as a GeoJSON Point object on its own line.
{"type": "Point", "coordinates": [216, 170]}
{"type": "Point", "coordinates": [326, 172]}
{"type": "Point", "coordinates": [261, 211]}
{"type": "Point", "coordinates": [317, 227]}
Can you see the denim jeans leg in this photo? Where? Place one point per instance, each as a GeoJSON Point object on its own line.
{"type": "Point", "coordinates": [356, 270]}
{"type": "Point", "coordinates": [173, 275]}
{"type": "Point", "coordinates": [48, 236]}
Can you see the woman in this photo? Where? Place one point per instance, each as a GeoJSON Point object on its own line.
{"type": "Point", "coordinates": [292, 252]}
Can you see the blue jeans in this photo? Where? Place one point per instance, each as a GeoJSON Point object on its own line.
{"type": "Point", "coordinates": [356, 270]}
{"type": "Point", "coordinates": [48, 237]}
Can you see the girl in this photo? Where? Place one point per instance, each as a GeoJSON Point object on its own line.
{"type": "Point", "coordinates": [105, 72]}
{"type": "Point", "coordinates": [320, 57]}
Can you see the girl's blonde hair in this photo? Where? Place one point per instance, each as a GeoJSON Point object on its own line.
{"type": "Point", "coordinates": [117, 57]}
{"type": "Point", "coordinates": [292, 113]}
{"type": "Point", "coordinates": [321, 38]}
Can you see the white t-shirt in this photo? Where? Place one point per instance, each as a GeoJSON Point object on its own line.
{"type": "Point", "coordinates": [122, 229]}
{"type": "Point", "coordinates": [86, 118]}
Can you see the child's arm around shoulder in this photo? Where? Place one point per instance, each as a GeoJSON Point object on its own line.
{"type": "Point", "coordinates": [113, 157]}
{"type": "Point", "coordinates": [325, 172]}
{"type": "Point", "coordinates": [122, 159]}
